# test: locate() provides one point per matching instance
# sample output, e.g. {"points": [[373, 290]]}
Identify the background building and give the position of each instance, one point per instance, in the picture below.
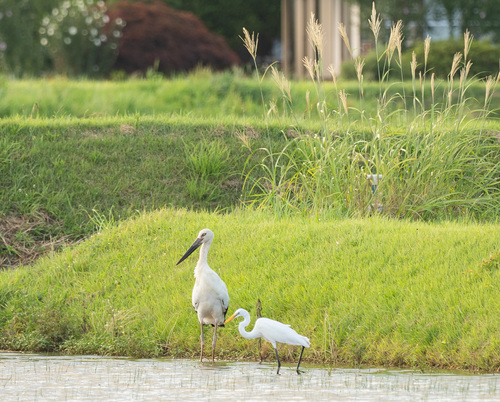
{"points": [[295, 15]]}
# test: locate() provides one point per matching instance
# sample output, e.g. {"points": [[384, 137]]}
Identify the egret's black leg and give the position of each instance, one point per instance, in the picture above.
{"points": [[300, 358], [202, 341], [214, 341], [277, 358]]}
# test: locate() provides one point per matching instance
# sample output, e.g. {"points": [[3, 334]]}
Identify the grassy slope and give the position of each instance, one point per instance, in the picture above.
{"points": [[369, 291], [198, 94], [422, 298], [79, 172], [99, 165]]}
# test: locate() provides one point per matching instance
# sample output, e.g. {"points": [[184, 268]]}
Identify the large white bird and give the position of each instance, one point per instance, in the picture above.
{"points": [[210, 297], [272, 331]]}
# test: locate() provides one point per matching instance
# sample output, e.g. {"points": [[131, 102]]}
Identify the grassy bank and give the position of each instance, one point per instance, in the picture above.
{"points": [[207, 94], [365, 291], [63, 178], [405, 275]]}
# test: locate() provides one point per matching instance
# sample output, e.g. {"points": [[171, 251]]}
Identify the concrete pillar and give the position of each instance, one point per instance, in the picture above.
{"points": [[310, 8], [286, 36], [299, 29], [329, 13], [355, 29]]}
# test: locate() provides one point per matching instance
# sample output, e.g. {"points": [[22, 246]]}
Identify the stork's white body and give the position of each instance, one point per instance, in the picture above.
{"points": [[210, 297]]}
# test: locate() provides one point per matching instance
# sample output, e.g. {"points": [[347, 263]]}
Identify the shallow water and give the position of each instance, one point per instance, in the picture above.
{"points": [[31, 377]]}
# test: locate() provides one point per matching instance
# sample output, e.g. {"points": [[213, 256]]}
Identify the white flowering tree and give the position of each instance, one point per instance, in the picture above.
{"points": [[20, 51], [80, 37]]}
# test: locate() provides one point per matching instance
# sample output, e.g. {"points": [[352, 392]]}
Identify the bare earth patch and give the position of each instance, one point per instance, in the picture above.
{"points": [[23, 239]]}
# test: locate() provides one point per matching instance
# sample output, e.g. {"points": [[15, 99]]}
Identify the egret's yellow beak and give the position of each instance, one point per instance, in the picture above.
{"points": [[230, 318]]}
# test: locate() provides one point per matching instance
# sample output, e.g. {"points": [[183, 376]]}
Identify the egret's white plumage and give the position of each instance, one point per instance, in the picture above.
{"points": [[210, 297], [272, 331]]}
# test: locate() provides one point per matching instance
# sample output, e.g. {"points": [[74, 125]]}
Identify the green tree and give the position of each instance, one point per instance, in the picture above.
{"points": [[228, 17], [412, 13], [480, 17], [20, 50]]}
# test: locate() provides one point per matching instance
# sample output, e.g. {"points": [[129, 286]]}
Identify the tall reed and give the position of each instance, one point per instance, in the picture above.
{"points": [[433, 163]]}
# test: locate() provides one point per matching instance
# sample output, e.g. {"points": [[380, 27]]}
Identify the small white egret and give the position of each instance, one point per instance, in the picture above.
{"points": [[210, 297], [272, 331]]}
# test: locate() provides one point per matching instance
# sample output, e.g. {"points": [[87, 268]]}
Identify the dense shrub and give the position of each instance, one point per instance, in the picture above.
{"points": [[169, 40]]}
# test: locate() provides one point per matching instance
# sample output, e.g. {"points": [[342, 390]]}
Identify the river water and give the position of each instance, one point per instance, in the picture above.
{"points": [[32, 377]]}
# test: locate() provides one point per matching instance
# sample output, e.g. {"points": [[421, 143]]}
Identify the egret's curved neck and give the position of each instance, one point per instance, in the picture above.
{"points": [[243, 324]]}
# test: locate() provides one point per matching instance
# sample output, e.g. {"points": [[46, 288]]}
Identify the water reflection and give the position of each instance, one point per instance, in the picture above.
{"points": [[29, 377]]}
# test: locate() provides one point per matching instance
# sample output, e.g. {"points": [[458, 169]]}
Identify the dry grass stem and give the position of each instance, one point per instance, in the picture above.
{"points": [[343, 34], [395, 38], [468, 37], [343, 98], [489, 85], [250, 42], [315, 34], [427, 48], [282, 83], [464, 72], [309, 65], [272, 109], [413, 64], [332, 72], [375, 22], [454, 65], [359, 63]]}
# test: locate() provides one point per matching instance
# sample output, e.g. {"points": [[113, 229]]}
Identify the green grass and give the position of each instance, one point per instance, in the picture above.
{"points": [[427, 175], [365, 291], [69, 170], [199, 94], [316, 246], [62, 174], [436, 160]]}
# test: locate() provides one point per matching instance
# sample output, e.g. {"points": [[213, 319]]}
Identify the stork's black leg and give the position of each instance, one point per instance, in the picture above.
{"points": [[300, 358], [277, 358]]}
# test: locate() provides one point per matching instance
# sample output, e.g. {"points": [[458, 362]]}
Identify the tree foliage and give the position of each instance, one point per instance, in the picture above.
{"points": [[480, 17], [228, 17], [20, 49]]}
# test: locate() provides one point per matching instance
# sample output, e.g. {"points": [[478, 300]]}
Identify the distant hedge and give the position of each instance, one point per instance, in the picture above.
{"points": [[484, 55]]}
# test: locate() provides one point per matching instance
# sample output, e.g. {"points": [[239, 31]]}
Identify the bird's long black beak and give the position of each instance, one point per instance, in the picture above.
{"points": [[194, 246]]}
